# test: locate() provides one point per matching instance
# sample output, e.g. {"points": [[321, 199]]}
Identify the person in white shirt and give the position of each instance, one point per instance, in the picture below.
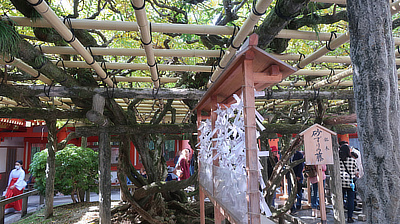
{"points": [[16, 185], [359, 163]]}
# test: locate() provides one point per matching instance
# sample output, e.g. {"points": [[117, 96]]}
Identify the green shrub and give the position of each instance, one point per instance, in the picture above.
{"points": [[76, 170]]}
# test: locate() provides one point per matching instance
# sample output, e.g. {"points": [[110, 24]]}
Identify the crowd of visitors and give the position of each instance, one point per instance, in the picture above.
{"points": [[350, 170]]}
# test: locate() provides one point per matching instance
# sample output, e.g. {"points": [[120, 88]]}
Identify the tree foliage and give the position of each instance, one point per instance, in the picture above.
{"points": [[76, 170]]}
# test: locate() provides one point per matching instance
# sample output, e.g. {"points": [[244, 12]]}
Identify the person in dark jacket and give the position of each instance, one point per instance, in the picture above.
{"points": [[271, 161], [298, 171]]}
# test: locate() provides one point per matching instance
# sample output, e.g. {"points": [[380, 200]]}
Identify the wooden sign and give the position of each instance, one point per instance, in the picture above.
{"points": [[318, 145]]}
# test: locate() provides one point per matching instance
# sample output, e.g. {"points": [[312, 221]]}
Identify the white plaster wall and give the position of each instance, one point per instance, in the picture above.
{"points": [[3, 157]]}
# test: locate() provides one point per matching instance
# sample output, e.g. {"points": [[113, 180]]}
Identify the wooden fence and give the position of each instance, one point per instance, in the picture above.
{"points": [[26, 194], [24, 198]]}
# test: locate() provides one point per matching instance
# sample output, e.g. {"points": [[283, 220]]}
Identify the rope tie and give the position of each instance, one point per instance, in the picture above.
{"points": [[103, 65], [234, 35], [302, 56], [156, 92], [328, 43], [316, 92], [47, 92], [332, 73], [68, 23], [221, 52], [37, 3], [138, 8], [89, 48], [254, 9], [151, 37], [11, 60], [38, 75]]}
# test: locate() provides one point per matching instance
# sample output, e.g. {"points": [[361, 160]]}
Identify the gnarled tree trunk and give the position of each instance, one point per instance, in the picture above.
{"points": [[377, 106], [50, 167]]}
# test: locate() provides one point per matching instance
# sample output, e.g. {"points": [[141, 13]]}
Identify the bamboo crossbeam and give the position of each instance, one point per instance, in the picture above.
{"points": [[180, 68], [55, 102], [333, 79], [133, 52], [146, 38], [170, 28], [336, 42], [341, 2], [47, 13], [8, 101], [248, 25], [141, 79], [130, 26], [181, 53], [24, 67], [322, 51], [303, 83], [307, 72]]}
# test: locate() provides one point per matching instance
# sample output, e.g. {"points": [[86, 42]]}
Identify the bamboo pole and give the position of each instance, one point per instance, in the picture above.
{"points": [[142, 79], [24, 67], [336, 42], [303, 83], [341, 2], [332, 79], [248, 25], [8, 101], [181, 53], [133, 52], [130, 26], [182, 68], [47, 13], [307, 72], [55, 102], [146, 38]]}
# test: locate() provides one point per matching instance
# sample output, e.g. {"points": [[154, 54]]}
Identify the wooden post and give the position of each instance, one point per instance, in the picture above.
{"points": [[96, 115], [253, 193], [321, 192], [24, 206], [2, 214], [83, 142], [336, 185], [308, 191], [202, 211], [217, 213], [105, 177], [87, 196], [201, 193], [41, 199]]}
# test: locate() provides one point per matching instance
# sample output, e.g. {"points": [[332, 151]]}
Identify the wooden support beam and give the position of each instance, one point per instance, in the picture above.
{"points": [[252, 193], [104, 177], [139, 128]]}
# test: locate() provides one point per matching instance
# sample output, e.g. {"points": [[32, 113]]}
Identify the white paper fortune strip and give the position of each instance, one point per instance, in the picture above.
{"points": [[230, 152]]}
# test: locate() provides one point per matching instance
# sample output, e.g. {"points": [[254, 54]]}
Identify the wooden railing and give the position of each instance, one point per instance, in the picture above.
{"points": [[24, 198]]}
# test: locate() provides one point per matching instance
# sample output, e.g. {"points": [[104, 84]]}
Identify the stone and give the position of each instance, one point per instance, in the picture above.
{"points": [[362, 217]]}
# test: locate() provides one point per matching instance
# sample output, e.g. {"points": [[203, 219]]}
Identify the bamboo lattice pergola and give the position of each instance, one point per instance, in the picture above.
{"points": [[156, 63]]}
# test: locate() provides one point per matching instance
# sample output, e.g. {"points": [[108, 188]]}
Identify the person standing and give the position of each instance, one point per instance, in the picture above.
{"points": [[348, 171], [314, 189], [16, 185], [184, 164], [298, 171], [271, 161]]}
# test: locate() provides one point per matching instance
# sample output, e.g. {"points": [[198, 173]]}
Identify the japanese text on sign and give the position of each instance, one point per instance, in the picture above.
{"points": [[318, 146]]}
